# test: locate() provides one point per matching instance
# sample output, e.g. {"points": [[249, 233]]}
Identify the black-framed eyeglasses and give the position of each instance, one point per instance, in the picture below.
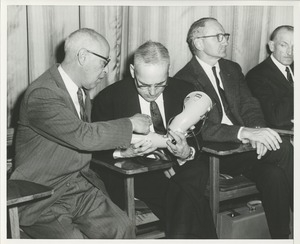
{"points": [[219, 36], [141, 85], [107, 60]]}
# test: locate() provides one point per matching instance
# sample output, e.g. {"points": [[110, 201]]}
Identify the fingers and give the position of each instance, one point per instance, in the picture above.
{"points": [[180, 148], [139, 143], [261, 150], [266, 136], [141, 123], [272, 138]]}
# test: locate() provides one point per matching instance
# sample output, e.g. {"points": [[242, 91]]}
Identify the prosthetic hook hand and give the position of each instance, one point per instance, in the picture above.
{"points": [[196, 105]]}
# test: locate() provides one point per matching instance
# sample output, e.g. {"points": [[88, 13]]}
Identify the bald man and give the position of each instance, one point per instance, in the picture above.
{"points": [[271, 81], [54, 142]]}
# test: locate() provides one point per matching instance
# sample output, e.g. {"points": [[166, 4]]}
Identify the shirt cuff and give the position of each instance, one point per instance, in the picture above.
{"points": [[190, 157], [117, 154], [239, 133]]}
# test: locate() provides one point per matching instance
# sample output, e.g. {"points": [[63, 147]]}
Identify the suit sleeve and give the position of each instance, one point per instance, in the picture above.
{"points": [[49, 115], [277, 105], [244, 106], [102, 110]]}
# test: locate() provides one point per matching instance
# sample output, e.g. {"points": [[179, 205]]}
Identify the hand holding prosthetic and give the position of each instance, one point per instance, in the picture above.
{"points": [[196, 105]]}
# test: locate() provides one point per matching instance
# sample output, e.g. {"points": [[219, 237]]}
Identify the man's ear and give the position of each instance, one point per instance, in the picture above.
{"points": [[131, 68], [81, 56], [198, 43], [271, 46]]}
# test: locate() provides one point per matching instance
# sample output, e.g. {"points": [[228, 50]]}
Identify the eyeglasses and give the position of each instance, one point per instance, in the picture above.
{"points": [[146, 86], [219, 36], [107, 60]]}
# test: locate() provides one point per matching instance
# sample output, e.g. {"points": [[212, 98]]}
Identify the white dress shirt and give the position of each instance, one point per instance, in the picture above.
{"points": [[72, 88], [281, 67], [145, 108], [208, 70]]}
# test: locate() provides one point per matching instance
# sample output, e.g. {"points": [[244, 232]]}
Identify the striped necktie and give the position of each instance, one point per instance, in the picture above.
{"points": [[83, 115], [289, 76], [223, 98], [157, 120]]}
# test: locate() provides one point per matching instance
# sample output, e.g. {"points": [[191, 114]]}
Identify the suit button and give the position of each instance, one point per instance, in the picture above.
{"points": [[68, 184]]}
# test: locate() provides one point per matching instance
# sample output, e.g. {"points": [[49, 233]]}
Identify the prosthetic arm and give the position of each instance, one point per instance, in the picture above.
{"points": [[195, 107]]}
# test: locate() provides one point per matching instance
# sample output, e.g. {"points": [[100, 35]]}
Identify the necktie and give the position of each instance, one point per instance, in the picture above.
{"points": [[159, 128], [83, 115], [223, 98], [289, 76], [157, 119]]}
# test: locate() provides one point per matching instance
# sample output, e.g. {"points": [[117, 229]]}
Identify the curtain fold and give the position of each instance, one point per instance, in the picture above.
{"points": [[47, 28], [36, 34], [17, 54], [107, 20]]}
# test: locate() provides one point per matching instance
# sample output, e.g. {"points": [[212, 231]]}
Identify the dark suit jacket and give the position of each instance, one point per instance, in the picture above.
{"points": [[243, 105], [121, 100], [274, 92], [53, 144]]}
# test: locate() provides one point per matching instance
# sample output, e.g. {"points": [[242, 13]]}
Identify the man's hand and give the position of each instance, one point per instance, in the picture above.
{"points": [[261, 149], [141, 123], [138, 149], [180, 149], [266, 136]]}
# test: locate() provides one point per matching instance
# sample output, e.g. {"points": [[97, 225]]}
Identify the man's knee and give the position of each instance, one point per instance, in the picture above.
{"points": [[275, 178], [123, 228]]}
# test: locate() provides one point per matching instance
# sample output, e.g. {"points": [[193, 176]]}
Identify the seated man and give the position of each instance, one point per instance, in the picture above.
{"points": [[54, 141], [271, 81], [179, 201], [237, 117]]}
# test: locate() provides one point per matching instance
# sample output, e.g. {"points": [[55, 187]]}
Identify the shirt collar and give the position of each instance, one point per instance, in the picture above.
{"points": [[72, 88], [279, 65], [70, 85], [208, 68], [145, 107]]}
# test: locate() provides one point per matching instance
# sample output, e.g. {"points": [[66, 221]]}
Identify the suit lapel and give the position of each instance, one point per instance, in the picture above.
{"points": [[170, 100], [60, 83], [279, 77], [229, 87], [130, 104], [203, 79]]}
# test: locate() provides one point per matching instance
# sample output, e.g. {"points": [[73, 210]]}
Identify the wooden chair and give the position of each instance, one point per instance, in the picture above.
{"points": [[129, 168], [237, 187], [243, 186], [18, 193]]}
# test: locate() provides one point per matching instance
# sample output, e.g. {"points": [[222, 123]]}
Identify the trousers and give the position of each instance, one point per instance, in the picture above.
{"points": [[180, 201], [273, 175], [82, 212]]}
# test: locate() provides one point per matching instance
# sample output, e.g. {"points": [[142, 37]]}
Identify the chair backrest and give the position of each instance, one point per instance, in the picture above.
{"points": [[10, 149]]}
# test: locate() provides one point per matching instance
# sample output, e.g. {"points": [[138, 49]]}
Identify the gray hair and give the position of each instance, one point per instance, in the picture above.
{"points": [[194, 31], [151, 53], [82, 38], [274, 33]]}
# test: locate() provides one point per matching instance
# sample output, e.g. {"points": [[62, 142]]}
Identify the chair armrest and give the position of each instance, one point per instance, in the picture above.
{"points": [[131, 166], [225, 148], [284, 132], [19, 191]]}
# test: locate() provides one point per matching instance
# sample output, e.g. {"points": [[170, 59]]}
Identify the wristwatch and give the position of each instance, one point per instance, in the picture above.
{"points": [[190, 157]]}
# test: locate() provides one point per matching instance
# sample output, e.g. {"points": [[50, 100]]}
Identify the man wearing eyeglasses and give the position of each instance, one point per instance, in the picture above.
{"points": [[237, 117], [179, 201], [54, 141]]}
